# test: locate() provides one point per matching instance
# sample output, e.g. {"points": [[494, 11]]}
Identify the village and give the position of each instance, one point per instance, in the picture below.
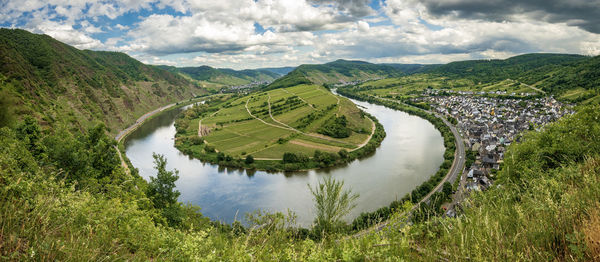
{"points": [[488, 125]]}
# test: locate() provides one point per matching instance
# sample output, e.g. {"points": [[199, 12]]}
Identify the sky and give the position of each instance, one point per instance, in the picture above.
{"points": [[244, 34]]}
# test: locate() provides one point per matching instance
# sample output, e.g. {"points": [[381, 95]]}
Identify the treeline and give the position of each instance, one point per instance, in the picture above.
{"points": [[366, 220]]}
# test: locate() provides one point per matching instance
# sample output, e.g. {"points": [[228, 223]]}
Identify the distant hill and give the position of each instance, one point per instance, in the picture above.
{"points": [[584, 73], [280, 70], [496, 70], [410, 69], [346, 71], [61, 84], [574, 78], [339, 71], [225, 76]]}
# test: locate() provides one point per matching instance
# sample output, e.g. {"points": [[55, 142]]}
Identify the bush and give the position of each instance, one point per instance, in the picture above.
{"points": [[335, 127], [289, 157], [249, 160]]}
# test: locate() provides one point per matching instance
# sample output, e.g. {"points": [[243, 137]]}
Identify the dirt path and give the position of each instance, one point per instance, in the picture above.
{"points": [[123, 163], [309, 104], [263, 121], [322, 147], [530, 86], [277, 121], [369, 138]]}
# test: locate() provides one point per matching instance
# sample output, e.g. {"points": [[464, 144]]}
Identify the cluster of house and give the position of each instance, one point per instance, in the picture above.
{"points": [[250, 85], [355, 82], [488, 125], [482, 93]]}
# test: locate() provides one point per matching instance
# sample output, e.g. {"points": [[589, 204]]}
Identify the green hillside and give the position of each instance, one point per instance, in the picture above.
{"points": [[59, 84], [572, 78], [576, 82], [497, 70], [225, 76], [345, 71]]}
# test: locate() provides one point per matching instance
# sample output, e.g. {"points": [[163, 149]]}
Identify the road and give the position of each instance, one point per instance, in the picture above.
{"points": [[455, 171], [133, 127], [140, 121]]}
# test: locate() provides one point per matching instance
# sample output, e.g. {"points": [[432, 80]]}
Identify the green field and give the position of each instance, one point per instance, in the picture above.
{"points": [[268, 124]]}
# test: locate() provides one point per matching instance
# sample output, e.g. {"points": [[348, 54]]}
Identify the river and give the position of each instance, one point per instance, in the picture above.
{"points": [[411, 152]]}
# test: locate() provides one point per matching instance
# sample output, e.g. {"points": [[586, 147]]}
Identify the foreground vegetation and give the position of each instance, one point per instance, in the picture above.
{"points": [[300, 127], [56, 206]]}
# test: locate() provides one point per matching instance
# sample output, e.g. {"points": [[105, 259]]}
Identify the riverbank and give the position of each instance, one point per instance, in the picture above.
{"points": [[125, 132], [125, 163], [454, 157]]}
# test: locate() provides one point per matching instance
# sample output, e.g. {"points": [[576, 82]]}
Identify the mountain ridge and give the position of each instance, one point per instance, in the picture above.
{"points": [[63, 85]]}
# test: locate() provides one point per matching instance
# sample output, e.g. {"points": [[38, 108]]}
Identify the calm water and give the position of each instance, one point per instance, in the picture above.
{"points": [[411, 152]]}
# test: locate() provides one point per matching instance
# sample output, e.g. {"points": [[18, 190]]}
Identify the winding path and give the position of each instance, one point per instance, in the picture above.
{"points": [[287, 127]]}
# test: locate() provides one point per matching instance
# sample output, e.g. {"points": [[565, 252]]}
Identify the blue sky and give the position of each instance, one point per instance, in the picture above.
{"points": [[269, 33]]}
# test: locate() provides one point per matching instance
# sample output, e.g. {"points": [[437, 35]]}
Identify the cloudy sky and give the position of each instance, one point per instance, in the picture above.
{"points": [[270, 33]]}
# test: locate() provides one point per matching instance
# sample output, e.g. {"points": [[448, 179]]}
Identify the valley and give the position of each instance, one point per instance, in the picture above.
{"points": [[491, 159]]}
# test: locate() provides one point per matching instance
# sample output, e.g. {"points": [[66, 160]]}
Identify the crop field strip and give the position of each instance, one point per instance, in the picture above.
{"points": [[233, 132]]}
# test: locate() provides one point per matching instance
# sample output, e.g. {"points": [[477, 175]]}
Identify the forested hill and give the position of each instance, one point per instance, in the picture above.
{"points": [[58, 83], [496, 70], [338, 71], [582, 75], [346, 71], [575, 78], [225, 76]]}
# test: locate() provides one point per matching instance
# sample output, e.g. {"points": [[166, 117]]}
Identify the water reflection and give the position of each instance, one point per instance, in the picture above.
{"points": [[409, 155]]}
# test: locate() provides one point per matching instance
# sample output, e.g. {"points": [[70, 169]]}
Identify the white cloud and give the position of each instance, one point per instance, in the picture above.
{"points": [[224, 33], [363, 26], [66, 33]]}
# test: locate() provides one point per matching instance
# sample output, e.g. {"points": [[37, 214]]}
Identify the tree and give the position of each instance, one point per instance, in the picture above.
{"points": [[249, 159], [332, 204], [447, 188], [161, 188], [30, 133]]}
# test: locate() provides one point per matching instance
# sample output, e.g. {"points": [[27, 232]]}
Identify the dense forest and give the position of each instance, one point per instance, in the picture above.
{"points": [[336, 72]]}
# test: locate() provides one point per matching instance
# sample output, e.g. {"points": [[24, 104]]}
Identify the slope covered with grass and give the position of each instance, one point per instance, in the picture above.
{"points": [[60, 84], [225, 76]]}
